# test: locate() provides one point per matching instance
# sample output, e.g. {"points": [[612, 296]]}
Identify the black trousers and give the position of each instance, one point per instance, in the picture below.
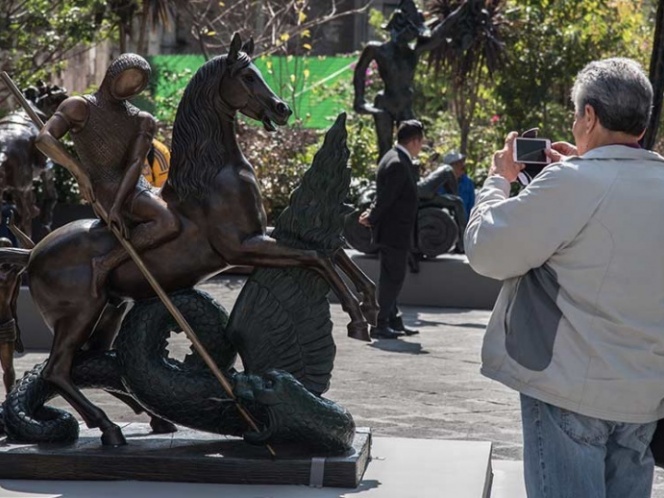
{"points": [[393, 263]]}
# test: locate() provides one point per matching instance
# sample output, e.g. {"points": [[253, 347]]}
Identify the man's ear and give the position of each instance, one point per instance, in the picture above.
{"points": [[590, 119]]}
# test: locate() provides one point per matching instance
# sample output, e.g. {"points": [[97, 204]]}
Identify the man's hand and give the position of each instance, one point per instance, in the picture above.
{"points": [[364, 218], [503, 163], [560, 151], [85, 187], [116, 221]]}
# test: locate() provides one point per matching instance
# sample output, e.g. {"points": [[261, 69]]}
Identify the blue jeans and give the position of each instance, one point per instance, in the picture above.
{"points": [[568, 455]]}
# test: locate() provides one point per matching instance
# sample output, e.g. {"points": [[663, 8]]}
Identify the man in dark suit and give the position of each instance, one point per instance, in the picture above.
{"points": [[392, 220]]}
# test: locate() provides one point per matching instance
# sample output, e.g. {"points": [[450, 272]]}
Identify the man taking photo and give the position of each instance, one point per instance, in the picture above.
{"points": [[578, 327]]}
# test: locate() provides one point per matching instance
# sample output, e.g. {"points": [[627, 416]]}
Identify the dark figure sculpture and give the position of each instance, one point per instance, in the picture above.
{"points": [[10, 334], [21, 162], [213, 192], [112, 139], [437, 221], [281, 320], [396, 62]]}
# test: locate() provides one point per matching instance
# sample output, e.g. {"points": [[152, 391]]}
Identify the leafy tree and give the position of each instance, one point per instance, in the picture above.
{"points": [[551, 41], [122, 14], [37, 36], [470, 58], [656, 77]]}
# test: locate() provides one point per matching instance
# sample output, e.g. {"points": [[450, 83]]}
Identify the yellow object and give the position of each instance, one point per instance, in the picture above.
{"points": [[157, 172]]}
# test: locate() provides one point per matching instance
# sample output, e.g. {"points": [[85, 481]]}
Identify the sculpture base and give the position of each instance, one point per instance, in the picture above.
{"points": [[184, 456]]}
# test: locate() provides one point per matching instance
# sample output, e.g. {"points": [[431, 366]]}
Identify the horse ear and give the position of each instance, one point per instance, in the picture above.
{"points": [[236, 45], [248, 47]]}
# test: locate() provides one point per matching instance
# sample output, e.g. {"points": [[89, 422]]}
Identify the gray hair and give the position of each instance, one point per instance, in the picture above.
{"points": [[619, 92]]}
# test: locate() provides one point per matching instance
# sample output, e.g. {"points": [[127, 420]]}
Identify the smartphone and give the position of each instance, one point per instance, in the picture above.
{"points": [[532, 150]]}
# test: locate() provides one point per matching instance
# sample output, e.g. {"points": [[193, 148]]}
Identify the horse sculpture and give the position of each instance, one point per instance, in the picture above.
{"points": [[213, 190], [21, 162]]}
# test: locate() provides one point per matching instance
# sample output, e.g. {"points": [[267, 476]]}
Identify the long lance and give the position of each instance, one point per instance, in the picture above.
{"points": [[184, 325]]}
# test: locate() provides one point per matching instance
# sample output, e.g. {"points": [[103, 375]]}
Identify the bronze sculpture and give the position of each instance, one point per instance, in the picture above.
{"points": [[21, 162], [280, 326], [213, 192], [397, 62]]}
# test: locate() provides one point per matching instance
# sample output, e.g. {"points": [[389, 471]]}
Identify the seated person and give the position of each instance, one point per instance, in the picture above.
{"points": [[458, 182], [445, 183]]}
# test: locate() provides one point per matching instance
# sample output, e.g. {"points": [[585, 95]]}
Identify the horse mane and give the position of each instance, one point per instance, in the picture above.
{"points": [[197, 145]]}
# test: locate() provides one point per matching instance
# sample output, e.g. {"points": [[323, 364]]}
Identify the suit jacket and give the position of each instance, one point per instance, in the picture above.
{"points": [[394, 212]]}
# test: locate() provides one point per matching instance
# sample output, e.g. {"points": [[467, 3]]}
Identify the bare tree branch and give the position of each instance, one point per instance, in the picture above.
{"points": [[213, 22]]}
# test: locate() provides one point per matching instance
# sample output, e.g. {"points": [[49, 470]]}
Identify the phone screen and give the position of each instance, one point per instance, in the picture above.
{"points": [[531, 151]]}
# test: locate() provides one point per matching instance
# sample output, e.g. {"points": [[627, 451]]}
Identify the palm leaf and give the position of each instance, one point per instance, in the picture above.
{"points": [[477, 38]]}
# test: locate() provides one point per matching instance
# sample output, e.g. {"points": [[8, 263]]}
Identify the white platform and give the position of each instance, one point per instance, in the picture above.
{"points": [[508, 479], [401, 468]]}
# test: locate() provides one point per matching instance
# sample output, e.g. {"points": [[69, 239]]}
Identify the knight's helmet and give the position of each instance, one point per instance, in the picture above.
{"points": [[123, 63], [407, 17]]}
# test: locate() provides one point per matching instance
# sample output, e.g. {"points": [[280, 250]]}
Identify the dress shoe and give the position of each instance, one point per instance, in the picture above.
{"points": [[400, 327], [383, 333], [408, 331]]}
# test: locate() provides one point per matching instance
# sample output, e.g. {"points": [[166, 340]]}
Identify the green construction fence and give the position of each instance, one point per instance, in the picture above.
{"points": [[310, 85]]}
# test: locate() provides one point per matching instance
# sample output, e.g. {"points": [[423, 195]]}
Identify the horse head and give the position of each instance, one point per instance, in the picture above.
{"points": [[245, 89]]}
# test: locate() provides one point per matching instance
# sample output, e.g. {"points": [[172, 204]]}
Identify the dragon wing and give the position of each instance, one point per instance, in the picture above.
{"points": [[281, 319]]}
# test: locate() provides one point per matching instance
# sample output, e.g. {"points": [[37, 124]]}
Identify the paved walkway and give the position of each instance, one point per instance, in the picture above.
{"points": [[424, 386]]}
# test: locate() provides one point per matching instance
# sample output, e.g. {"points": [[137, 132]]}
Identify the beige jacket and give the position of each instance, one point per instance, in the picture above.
{"points": [[579, 322]]}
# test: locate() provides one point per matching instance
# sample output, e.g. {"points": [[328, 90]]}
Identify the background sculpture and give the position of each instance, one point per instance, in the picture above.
{"points": [[397, 62], [438, 229], [21, 162]]}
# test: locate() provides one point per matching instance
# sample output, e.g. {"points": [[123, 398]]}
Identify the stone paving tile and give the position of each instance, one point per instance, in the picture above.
{"points": [[424, 386]]}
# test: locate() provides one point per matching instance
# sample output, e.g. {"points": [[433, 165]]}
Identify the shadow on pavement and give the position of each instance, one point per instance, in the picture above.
{"points": [[398, 346]]}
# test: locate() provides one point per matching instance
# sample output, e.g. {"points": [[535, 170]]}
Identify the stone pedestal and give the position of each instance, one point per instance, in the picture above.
{"points": [[184, 456]]}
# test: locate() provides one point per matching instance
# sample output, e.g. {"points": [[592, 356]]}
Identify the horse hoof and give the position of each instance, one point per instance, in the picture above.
{"points": [[359, 330], [161, 426], [370, 313], [113, 437]]}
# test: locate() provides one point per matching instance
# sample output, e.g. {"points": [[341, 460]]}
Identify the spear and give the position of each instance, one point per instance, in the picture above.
{"points": [[184, 325]]}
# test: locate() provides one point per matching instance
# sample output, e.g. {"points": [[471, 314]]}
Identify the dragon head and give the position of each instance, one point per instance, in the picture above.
{"points": [[295, 415]]}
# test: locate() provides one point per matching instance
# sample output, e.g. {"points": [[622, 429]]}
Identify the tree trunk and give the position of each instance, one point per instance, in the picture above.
{"points": [[656, 78], [123, 38], [142, 49]]}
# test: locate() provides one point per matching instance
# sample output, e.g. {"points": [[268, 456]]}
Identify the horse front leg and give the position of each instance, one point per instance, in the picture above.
{"points": [[69, 333], [260, 250], [362, 283]]}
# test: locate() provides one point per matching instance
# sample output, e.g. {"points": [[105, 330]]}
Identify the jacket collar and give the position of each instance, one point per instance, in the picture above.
{"points": [[621, 152], [403, 150]]}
